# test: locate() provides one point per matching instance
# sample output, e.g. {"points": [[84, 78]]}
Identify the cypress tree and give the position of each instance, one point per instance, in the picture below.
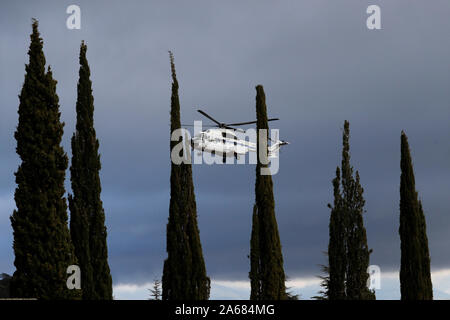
{"points": [[266, 270], [255, 259], [324, 283], [348, 253], [337, 257], [184, 272], [415, 277], [358, 250], [87, 223], [5, 281], [42, 245]]}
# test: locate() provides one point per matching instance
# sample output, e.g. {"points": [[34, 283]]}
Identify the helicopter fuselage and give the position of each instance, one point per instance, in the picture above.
{"points": [[224, 142]]}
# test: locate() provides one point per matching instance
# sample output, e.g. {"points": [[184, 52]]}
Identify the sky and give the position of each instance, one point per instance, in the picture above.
{"points": [[319, 65]]}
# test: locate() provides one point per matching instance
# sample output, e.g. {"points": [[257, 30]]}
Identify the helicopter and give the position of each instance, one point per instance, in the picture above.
{"points": [[222, 140]]}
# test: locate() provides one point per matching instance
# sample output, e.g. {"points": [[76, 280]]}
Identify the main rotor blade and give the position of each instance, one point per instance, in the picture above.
{"points": [[235, 129], [240, 123], [249, 122], [209, 117], [203, 125]]}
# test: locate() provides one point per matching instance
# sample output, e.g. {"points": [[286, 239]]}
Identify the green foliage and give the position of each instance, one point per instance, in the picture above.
{"points": [[337, 251], [290, 294], [87, 223], [184, 274], [255, 260], [266, 259], [348, 253], [42, 245], [5, 282], [155, 292], [324, 283], [415, 277]]}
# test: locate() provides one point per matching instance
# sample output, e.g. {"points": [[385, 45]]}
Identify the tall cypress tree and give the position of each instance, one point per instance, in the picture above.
{"points": [[358, 250], [415, 277], [255, 259], [266, 269], [42, 245], [348, 253], [184, 273], [337, 257], [87, 223]]}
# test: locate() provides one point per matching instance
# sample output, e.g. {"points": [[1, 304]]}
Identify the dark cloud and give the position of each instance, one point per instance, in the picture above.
{"points": [[319, 66]]}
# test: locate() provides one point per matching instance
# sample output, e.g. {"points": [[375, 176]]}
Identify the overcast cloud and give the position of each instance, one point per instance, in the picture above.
{"points": [[319, 65]]}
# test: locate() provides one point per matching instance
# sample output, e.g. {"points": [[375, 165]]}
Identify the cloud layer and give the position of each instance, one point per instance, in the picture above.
{"points": [[319, 66]]}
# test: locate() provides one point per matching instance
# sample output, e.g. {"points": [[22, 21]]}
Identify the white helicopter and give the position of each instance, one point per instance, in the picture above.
{"points": [[223, 140]]}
